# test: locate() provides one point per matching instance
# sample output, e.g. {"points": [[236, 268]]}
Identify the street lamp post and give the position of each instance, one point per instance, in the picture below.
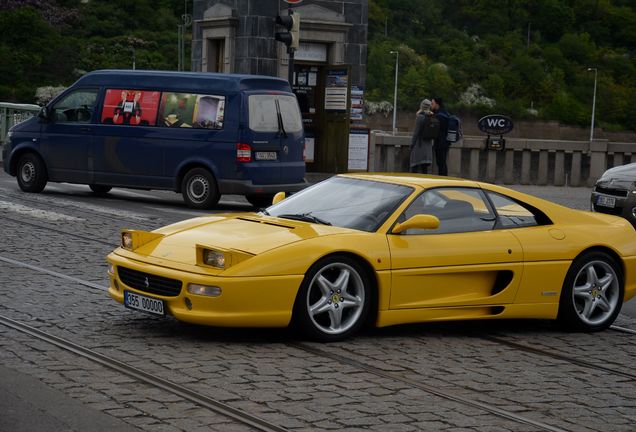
{"points": [[397, 56], [593, 103]]}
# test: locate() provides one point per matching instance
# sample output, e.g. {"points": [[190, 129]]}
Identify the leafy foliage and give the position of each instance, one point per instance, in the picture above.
{"points": [[53, 42], [529, 57]]}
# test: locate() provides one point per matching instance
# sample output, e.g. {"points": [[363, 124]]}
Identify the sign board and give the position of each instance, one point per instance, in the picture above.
{"points": [[308, 51], [495, 124], [358, 150], [336, 90]]}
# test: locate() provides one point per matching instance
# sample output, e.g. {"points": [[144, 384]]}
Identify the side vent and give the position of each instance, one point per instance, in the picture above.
{"points": [[504, 278], [496, 310]]}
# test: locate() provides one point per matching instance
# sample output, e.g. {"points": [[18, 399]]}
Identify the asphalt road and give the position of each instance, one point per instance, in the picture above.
{"points": [[441, 377]]}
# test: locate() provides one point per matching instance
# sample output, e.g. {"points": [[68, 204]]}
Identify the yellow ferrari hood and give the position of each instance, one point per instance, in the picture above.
{"points": [[248, 233]]}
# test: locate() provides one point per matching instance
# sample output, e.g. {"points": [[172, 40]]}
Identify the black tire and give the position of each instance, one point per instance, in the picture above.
{"points": [[100, 189], [592, 293], [31, 173], [338, 290], [199, 189], [260, 201]]}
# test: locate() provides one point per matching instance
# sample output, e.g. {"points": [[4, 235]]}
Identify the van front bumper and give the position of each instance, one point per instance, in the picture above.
{"points": [[246, 187]]}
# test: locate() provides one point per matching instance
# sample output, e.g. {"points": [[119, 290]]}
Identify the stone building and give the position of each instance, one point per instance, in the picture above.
{"points": [[237, 36]]}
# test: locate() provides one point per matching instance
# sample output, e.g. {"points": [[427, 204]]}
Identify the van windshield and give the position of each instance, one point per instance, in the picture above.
{"points": [[264, 111]]}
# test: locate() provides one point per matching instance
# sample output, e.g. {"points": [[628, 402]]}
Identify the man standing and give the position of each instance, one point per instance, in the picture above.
{"points": [[441, 144]]}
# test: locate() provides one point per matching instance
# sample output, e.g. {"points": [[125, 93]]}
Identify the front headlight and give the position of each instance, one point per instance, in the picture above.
{"points": [[214, 258], [127, 240]]}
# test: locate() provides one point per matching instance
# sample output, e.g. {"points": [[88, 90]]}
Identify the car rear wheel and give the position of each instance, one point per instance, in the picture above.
{"points": [[260, 201], [334, 299], [31, 173], [199, 189], [100, 189], [592, 293]]}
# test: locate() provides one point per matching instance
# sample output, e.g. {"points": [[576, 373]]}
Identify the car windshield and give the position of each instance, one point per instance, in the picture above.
{"points": [[344, 202]]}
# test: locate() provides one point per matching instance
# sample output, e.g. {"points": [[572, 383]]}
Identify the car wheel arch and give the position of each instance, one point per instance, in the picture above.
{"points": [[17, 155], [187, 166], [607, 250], [368, 269]]}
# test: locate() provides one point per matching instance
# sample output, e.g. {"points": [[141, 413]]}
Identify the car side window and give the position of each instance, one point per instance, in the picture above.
{"points": [[75, 107], [510, 213], [458, 210]]}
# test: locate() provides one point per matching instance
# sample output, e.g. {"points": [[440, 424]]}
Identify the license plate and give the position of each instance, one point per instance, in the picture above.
{"points": [[606, 201], [265, 155], [143, 303]]}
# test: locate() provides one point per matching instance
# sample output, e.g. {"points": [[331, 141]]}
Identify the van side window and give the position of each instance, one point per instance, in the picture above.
{"points": [[265, 109], [130, 107], [189, 110], [75, 107]]}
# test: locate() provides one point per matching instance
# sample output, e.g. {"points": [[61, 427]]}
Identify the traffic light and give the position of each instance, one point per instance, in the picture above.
{"points": [[291, 36]]}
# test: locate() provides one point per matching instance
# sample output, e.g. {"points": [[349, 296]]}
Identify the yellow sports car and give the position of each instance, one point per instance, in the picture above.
{"points": [[382, 249]]}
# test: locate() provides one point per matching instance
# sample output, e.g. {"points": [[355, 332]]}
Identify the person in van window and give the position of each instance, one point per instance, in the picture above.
{"points": [[441, 145], [422, 141]]}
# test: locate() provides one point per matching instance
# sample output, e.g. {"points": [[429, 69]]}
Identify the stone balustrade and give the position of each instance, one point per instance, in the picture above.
{"points": [[523, 161]]}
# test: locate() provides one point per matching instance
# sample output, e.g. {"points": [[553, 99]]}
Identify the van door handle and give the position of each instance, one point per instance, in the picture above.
{"points": [[85, 129]]}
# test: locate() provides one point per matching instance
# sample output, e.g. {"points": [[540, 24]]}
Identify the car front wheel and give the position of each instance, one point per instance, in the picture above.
{"points": [[199, 189], [334, 299], [31, 173], [592, 293], [100, 189]]}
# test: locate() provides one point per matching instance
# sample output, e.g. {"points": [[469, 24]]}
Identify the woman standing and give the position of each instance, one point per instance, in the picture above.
{"points": [[426, 129]]}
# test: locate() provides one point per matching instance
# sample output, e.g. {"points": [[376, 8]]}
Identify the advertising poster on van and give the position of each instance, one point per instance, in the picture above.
{"points": [[130, 107], [192, 110]]}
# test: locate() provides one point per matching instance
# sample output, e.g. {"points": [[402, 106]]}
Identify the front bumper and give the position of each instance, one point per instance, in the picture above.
{"points": [[624, 202], [244, 302]]}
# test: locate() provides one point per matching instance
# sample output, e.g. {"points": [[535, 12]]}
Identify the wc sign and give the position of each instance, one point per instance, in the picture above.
{"points": [[495, 124]]}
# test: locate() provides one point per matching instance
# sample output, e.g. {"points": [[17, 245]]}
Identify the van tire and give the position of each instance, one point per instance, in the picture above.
{"points": [[199, 189], [31, 173], [100, 189]]}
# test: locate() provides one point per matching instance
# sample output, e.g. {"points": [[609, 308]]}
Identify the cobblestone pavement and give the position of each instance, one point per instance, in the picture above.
{"points": [[268, 373]]}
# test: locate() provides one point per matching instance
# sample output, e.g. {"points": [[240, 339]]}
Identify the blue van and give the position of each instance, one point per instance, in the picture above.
{"points": [[200, 134]]}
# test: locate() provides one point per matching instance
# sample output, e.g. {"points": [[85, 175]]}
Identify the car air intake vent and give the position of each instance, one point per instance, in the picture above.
{"points": [[611, 191], [149, 283]]}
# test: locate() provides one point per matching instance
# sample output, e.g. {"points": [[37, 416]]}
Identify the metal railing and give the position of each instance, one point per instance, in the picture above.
{"points": [[11, 114]]}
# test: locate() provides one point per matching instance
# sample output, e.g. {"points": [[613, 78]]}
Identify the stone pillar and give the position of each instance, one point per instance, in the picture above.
{"points": [[559, 168], [598, 162], [526, 158], [575, 175], [491, 166], [542, 178], [474, 164], [509, 167]]}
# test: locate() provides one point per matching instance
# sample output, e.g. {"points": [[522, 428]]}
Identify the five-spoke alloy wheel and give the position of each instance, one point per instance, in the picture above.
{"points": [[334, 299], [592, 293]]}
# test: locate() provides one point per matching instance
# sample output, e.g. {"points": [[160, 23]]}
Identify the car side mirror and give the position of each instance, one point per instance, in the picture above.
{"points": [[278, 197], [420, 221], [44, 114]]}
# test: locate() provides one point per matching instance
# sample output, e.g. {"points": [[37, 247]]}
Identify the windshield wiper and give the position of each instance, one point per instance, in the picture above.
{"points": [[281, 126], [306, 217]]}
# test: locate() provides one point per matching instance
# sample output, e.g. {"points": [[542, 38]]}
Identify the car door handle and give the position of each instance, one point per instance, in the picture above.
{"points": [[85, 129]]}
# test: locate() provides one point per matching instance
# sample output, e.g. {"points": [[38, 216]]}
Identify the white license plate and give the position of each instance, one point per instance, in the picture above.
{"points": [[606, 201], [263, 155], [143, 303]]}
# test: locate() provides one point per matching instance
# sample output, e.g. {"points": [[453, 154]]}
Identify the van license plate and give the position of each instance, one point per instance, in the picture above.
{"points": [[263, 155], [606, 201], [143, 303]]}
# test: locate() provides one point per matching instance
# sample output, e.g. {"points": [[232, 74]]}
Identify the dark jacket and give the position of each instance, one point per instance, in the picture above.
{"points": [[442, 116]]}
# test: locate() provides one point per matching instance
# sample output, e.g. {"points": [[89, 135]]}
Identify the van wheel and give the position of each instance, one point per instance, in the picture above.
{"points": [[100, 189], [260, 201], [199, 189], [31, 173]]}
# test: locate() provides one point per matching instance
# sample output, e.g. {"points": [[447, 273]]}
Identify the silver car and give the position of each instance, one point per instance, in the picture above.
{"points": [[615, 192]]}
